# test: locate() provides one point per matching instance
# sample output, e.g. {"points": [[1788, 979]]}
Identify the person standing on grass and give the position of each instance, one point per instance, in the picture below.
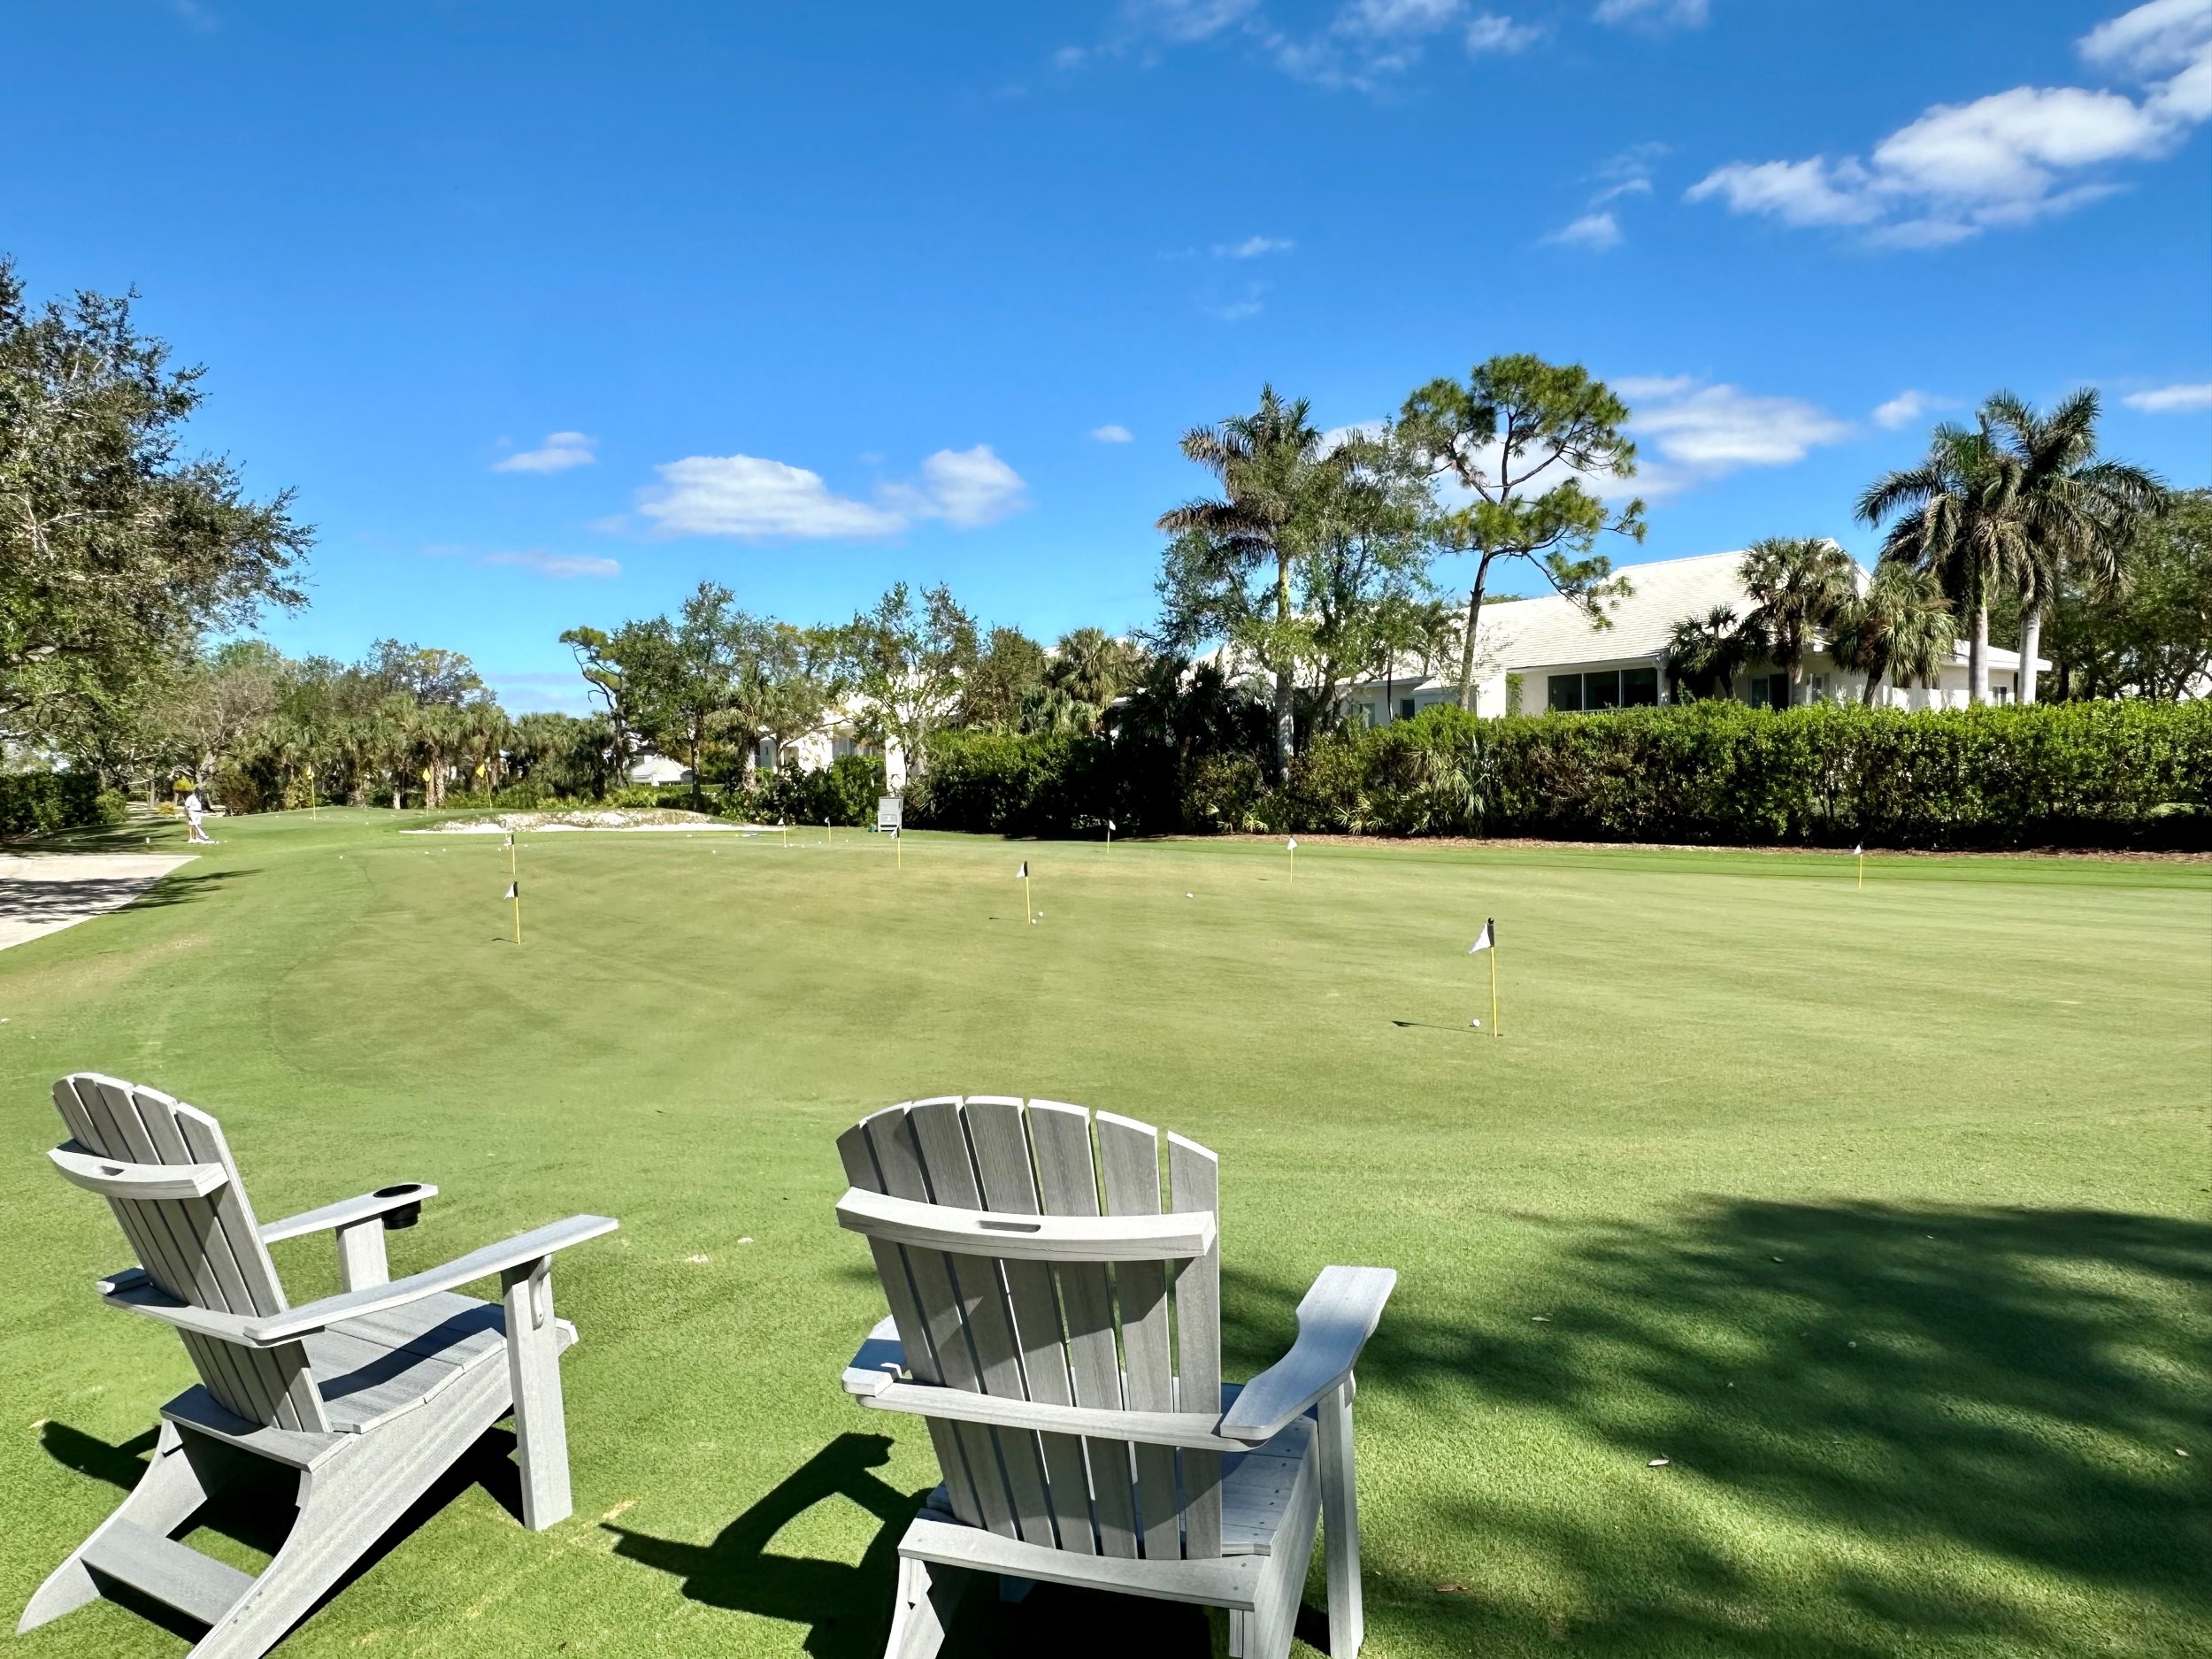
{"points": [[195, 812]]}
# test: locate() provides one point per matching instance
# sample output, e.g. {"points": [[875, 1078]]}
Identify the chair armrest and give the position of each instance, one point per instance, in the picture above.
{"points": [[881, 1361], [392, 1203], [1334, 1321], [133, 1290], [353, 1305]]}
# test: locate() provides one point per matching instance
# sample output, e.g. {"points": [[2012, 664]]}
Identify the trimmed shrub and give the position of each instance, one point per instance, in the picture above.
{"points": [[40, 802], [2124, 773]]}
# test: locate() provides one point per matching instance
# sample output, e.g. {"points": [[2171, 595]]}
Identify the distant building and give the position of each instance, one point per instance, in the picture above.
{"points": [[1535, 655]]}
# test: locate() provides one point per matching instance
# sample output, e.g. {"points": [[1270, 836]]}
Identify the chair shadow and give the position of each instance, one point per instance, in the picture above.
{"points": [[847, 1607]]}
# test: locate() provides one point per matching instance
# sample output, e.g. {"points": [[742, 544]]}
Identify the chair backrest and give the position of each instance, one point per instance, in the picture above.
{"points": [[1128, 1336], [195, 1237]]}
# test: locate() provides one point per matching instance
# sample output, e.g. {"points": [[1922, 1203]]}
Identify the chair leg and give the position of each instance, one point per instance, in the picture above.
{"points": [[180, 1477], [534, 1370], [348, 1503], [1340, 1523], [927, 1596]]}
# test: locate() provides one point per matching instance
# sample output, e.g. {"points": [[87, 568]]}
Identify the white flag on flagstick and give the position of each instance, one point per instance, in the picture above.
{"points": [[1859, 851], [514, 890], [1293, 845], [1487, 939], [1022, 874]]}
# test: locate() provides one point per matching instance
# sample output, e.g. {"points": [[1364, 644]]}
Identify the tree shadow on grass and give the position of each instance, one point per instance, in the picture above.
{"points": [[1920, 1422]]}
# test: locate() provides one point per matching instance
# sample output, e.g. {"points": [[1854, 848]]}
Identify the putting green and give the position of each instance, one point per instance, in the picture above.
{"points": [[1878, 1213]]}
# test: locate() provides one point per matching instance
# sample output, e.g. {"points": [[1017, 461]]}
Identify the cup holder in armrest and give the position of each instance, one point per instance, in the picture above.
{"points": [[405, 1215]]}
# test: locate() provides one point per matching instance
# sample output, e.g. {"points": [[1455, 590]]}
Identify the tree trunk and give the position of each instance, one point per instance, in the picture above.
{"points": [[698, 802], [2031, 641], [1467, 644], [1977, 658], [1285, 723]]}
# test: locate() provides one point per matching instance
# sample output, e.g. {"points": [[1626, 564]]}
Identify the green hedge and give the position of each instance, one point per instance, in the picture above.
{"points": [[2131, 773], [40, 802]]}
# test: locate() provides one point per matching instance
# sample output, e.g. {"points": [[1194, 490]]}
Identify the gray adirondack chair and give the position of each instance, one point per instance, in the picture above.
{"points": [[370, 1394], [1011, 1250]]}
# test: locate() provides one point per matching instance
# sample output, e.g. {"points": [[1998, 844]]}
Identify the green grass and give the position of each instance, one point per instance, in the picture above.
{"points": [[1880, 1214]]}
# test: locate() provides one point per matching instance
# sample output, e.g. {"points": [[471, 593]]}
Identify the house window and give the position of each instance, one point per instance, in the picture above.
{"points": [[1405, 707], [1820, 689], [1565, 694], [1601, 691], [1640, 687], [2003, 693], [1768, 691]]}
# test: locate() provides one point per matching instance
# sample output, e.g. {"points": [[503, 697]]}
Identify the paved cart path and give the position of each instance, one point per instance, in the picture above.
{"points": [[45, 893]]}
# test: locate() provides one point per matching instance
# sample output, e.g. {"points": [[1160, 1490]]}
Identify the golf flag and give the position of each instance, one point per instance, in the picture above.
{"points": [[1024, 873], [1291, 849], [514, 894], [1109, 830], [514, 890], [1858, 854], [1487, 939]]}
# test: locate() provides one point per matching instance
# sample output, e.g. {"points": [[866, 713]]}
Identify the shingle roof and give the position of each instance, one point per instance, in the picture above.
{"points": [[1536, 633]]}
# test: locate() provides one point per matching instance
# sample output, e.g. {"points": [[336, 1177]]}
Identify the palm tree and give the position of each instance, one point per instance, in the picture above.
{"points": [[2079, 510], [1707, 651], [1796, 585], [1965, 523], [1092, 666], [1900, 629], [1265, 461]]}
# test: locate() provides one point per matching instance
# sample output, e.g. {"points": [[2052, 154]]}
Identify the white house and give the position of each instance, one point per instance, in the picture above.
{"points": [[1534, 655]]}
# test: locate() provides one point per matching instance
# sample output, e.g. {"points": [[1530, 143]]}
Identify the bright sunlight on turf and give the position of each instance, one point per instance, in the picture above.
{"points": [[1877, 1214]]}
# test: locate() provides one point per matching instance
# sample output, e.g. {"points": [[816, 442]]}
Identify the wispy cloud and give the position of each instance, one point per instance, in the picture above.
{"points": [[560, 451], [754, 499], [1494, 32], [1625, 174], [1679, 14], [2011, 158], [1907, 407], [529, 693], [1112, 434], [1595, 231], [2173, 400], [1696, 432], [1252, 247], [560, 566]]}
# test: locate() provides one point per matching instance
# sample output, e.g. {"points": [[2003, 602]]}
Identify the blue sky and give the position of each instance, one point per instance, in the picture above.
{"points": [[550, 310]]}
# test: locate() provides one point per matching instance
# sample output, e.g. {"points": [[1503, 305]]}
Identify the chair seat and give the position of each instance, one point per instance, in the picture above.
{"points": [[373, 1368]]}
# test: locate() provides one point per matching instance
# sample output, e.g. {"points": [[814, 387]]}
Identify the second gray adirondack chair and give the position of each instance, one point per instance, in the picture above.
{"points": [[1011, 1249], [369, 1395]]}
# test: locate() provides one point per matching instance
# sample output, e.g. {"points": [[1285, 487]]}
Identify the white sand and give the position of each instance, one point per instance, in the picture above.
{"points": [[44, 892]]}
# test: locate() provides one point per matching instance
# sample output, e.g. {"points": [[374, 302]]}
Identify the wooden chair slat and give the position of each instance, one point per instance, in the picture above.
{"points": [[1129, 1162], [898, 1158], [1067, 1185], [979, 1285], [1194, 1184], [1000, 1140]]}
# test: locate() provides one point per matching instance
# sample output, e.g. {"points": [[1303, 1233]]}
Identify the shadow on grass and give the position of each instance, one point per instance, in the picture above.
{"points": [[847, 1607], [1919, 1422]]}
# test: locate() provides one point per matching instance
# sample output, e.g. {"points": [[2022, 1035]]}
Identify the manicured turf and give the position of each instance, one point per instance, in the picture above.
{"points": [[1880, 1214]]}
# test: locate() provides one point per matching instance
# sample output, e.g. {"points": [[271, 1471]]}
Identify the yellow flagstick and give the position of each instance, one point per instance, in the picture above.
{"points": [[1293, 850], [1859, 853], [514, 892], [1488, 940], [898, 850], [1494, 990]]}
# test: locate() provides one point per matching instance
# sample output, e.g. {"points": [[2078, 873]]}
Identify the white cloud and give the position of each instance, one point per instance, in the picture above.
{"points": [[1113, 433], [1398, 17], [1905, 407], [1181, 22], [560, 566], [2009, 158], [1252, 247], [1687, 14], [754, 499], [2173, 400], [1694, 433], [560, 451], [1494, 32], [1069, 57], [1595, 231]]}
